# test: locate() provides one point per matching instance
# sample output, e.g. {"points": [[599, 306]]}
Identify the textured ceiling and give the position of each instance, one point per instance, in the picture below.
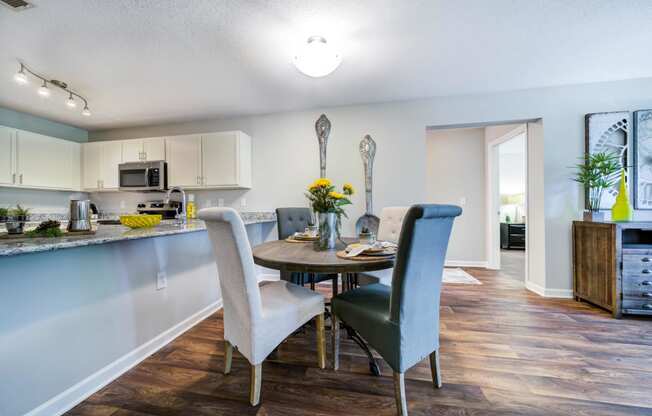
{"points": [[148, 61]]}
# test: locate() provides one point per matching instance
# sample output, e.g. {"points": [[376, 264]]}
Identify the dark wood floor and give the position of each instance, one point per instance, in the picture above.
{"points": [[504, 351]]}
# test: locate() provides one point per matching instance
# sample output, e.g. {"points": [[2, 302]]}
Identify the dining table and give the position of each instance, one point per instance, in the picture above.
{"points": [[305, 257]]}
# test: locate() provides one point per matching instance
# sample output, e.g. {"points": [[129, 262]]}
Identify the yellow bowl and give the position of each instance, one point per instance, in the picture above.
{"points": [[140, 221]]}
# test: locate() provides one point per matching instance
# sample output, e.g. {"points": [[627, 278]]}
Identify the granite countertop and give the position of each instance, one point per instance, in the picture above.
{"points": [[112, 233]]}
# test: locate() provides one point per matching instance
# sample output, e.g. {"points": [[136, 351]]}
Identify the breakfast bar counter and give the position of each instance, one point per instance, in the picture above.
{"points": [[113, 233]]}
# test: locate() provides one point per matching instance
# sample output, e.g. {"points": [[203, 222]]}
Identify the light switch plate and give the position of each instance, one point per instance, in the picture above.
{"points": [[220, 202], [161, 280], [243, 203]]}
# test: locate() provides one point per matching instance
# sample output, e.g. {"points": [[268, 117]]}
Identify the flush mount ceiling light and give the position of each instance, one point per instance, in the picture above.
{"points": [[21, 77], [317, 58]]}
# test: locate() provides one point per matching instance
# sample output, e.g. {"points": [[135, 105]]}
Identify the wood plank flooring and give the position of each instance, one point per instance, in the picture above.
{"points": [[504, 351]]}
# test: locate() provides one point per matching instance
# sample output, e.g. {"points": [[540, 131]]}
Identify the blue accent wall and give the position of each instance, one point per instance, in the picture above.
{"points": [[24, 121]]}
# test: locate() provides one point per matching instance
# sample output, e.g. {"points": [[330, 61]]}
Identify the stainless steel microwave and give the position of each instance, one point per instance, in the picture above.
{"points": [[143, 176]]}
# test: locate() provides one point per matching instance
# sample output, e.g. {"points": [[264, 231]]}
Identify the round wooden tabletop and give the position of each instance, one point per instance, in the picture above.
{"points": [[295, 257]]}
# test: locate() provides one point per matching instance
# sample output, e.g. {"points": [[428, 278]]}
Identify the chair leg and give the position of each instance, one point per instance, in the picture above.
{"points": [[435, 369], [312, 277], [255, 383], [321, 342], [335, 334], [399, 394], [335, 280], [228, 356]]}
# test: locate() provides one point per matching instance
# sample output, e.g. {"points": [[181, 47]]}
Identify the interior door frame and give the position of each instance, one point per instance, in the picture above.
{"points": [[492, 175]]}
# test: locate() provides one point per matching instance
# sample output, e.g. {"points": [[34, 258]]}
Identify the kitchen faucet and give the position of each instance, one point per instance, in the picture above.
{"points": [[181, 216]]}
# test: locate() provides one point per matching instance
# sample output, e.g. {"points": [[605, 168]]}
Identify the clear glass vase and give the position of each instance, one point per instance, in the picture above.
{"points": [[329, 231]]}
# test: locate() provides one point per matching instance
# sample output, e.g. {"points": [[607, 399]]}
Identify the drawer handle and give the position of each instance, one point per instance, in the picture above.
{"points": [[645, 271], [646, 294], [646, 283], [645, 259]]}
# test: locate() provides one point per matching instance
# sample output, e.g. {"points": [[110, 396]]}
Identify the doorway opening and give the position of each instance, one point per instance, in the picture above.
{"points": [[506, 150]]}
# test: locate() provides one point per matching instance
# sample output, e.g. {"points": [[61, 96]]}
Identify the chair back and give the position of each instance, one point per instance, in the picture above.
{"points": [[417, 278], [291, 220], [391, 221], [235, 265]]}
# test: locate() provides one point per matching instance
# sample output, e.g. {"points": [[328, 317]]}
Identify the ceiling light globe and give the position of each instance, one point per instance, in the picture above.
{"points": [[317, 58], [21, 77], [43, 90], [86, 112]]}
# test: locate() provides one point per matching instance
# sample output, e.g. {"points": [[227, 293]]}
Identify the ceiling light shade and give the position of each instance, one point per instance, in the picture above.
{"points": [[70, 102], [21, 77], [86, 112], [317, 58], [43, 90]]}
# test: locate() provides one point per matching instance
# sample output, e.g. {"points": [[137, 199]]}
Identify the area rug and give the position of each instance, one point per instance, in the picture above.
{"points": [[459, 276]]}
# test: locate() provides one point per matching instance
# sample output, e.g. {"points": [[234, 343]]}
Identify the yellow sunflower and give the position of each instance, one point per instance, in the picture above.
{"points": [[348, 189], [336, 195]]}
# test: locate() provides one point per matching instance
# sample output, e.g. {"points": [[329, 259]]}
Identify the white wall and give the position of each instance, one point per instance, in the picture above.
{"points": [[455, 171], [286, 159]]}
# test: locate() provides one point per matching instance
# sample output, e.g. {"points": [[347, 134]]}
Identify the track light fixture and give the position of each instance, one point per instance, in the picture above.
{"points": [[21, 77]]}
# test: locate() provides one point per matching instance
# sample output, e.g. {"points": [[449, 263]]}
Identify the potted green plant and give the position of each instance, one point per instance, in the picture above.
{"points": [[16, 219], [598, 173]]}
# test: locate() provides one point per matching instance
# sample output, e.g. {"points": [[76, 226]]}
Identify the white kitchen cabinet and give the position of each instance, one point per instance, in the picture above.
{"points": [[184, 160], [226, 160], [7, 162], [100, 161], [138, 150], [46, 162]]}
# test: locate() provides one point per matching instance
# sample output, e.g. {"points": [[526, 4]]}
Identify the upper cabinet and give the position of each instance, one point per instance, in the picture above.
{"points": [[210, 161], [226, 160], [100, 161], [31, 160], [7, 161], [139, 150], [184, 160]]}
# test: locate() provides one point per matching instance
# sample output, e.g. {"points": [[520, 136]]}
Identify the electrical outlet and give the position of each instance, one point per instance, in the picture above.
{"points": [[243, 203], [161, 280], [463, 201], [123, 205], [220, 202]]}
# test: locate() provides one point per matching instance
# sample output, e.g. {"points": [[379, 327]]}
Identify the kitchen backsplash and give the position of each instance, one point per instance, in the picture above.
{"points": [[39, 201]]}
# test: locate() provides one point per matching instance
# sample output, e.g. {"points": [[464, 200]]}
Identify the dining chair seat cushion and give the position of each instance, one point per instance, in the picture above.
{"points": [[366, 309], [285, 308]]}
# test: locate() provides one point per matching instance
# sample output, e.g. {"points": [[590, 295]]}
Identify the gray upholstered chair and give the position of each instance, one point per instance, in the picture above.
{"points": [[401, 322], [257, 317], [289, 221]]}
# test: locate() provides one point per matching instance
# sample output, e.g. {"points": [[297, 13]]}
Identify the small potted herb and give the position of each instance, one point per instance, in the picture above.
{"points": [[47, 229], [4, 212], [16, 220]]}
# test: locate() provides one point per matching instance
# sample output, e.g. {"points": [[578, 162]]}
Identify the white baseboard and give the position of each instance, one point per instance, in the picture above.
{"points": [[548, 292], [458, 263], [71, 397]]}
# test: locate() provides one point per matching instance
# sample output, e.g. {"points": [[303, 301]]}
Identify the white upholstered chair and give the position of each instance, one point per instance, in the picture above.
{"points": [[257, 318], [391, 221]]}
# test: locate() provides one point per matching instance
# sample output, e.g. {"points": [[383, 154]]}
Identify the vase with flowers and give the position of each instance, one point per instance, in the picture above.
{"points": [[329, 204]]}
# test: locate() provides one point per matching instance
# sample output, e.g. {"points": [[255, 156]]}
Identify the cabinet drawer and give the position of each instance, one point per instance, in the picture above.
{"points": [[637, 303]]}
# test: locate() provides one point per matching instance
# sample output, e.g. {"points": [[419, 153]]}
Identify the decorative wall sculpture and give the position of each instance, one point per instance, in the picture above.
{"points": [[608, 132], [323, 130], [642, 149]]}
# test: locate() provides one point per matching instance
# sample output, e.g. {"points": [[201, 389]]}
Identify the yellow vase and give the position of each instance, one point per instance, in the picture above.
{"points": [[622, 209]]}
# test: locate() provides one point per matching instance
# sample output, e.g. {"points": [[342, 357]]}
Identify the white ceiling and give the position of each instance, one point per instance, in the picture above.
{"points": [[149, 61]]}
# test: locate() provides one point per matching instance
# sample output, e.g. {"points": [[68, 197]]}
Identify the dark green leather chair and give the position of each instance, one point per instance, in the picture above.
{"points": [[401, 322], [289, 221]]}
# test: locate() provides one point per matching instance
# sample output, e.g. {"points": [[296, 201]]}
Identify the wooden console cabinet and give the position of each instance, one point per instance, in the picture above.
{"points": [[612, 266]]}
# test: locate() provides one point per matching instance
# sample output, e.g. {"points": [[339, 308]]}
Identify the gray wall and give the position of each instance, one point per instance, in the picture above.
{"points": [[449, 181], [24, 121], [286, 160]]}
